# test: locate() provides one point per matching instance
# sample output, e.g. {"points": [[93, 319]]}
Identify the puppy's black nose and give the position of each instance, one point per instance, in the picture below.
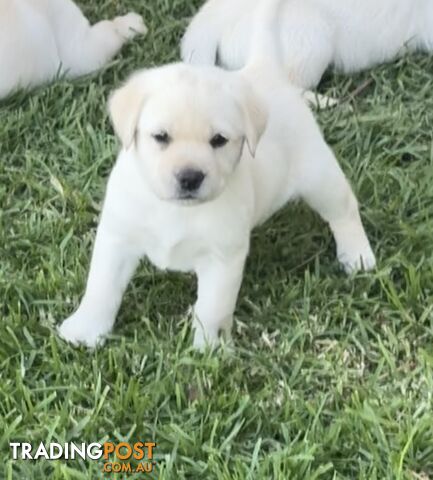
{"points": [[190, 180]]}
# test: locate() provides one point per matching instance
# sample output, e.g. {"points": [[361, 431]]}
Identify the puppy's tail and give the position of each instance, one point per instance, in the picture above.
{"points": [[265, 58]]}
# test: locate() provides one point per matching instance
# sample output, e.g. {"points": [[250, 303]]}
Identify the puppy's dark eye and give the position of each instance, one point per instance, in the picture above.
{"points": [[218, 141], [163, 138]]}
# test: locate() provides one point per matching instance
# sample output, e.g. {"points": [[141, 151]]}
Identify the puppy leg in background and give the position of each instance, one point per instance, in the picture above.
{"points": [[426, 29], [100, 43], [326, 190], [218, 287], [307, 43], [112, 266], [199, 44], [84, 48]]}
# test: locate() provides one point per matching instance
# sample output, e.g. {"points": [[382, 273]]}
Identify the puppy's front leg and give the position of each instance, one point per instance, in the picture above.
{"points": [[219, 282], [113, 263]]}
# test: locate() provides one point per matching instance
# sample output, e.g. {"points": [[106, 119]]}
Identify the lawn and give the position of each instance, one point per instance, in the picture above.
{"points": [[331, 377]]}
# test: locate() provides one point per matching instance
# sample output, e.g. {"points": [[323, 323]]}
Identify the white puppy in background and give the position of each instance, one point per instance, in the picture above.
{"points": [[312, 34], [206, 156], [40, 38]]}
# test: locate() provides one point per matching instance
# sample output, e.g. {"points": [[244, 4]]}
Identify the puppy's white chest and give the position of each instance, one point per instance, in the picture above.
{"points": [[172, 251], [177, 240]]}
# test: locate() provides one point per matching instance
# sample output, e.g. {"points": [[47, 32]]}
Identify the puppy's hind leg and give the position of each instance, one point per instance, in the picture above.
{"points": [[326, 190]]}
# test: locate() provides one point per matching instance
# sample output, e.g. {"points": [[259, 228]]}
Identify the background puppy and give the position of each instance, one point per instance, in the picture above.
{"points": [[205, 158], [40, 38], [313, 34]]}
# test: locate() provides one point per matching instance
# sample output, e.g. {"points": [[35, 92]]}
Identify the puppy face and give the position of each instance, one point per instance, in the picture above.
{"points": [[188, 126]]}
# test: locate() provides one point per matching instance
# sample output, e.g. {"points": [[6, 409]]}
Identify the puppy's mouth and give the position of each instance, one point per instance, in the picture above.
{"points": [[187, 196], [189, 199]]}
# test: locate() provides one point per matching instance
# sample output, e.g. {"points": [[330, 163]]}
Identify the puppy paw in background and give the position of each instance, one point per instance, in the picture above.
{"points": [[321, 102], [41, 38], [129, 25]]}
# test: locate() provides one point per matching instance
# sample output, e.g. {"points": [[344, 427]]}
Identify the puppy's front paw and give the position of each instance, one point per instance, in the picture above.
{"points": [[81, 329], [358, 256], [204, 337], [130, 25], [203, 341], [212, 337]]}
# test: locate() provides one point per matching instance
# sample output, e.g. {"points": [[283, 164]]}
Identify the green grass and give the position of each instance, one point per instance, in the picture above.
{"points": [[331, 378]]}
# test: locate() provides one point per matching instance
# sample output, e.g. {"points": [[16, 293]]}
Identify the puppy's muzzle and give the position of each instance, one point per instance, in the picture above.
{"points": [[189, 182]]}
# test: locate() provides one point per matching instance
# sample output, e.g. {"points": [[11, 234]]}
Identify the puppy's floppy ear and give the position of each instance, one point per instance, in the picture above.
{"points": [[255, 117], [125, 105]]}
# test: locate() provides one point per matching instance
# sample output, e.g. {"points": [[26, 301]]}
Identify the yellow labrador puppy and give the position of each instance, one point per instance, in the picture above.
{"points": [[40, 38], [205, 158], [312, 34]]}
